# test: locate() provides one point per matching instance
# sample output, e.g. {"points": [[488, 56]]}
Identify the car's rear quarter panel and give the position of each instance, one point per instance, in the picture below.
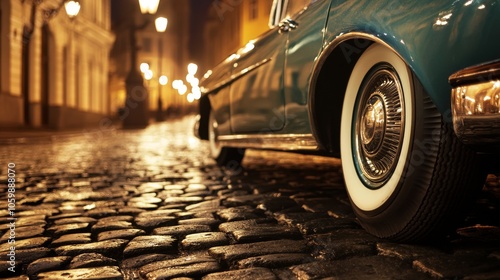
{"points": [[435, 38]]}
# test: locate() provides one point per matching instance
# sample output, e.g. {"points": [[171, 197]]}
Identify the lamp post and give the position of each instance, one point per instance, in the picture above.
{"points": [[163, 80], [161, 26], [136, 104]]}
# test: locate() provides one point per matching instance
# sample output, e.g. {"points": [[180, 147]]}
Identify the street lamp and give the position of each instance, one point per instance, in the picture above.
{"points": [[161, 26], [182, 89], [163, 80], [176, 84], [144, 67], [149, 6], [192, 68], [148, 75], [72, 8], [195, 93], [137, 96]]}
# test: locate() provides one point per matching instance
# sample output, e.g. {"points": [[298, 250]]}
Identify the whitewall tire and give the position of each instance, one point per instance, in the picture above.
{"points": [[366, 191], [405, 172]]}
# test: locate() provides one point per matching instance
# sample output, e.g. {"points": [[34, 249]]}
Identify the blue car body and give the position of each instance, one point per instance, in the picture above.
{"points": [[269, 90], [405, 92]]}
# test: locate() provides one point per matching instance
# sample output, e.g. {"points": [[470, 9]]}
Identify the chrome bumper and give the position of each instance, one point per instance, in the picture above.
{"points": [[475, 104]]}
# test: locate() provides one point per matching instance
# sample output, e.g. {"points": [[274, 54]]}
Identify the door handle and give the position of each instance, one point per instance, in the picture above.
{"points": [[287, 25]]}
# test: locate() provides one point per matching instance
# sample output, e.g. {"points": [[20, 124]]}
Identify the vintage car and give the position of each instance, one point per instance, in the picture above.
{"points": [[406, 93]]}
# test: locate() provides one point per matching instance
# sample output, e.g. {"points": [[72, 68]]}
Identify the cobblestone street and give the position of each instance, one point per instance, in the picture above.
{"points": [[151, 204]]}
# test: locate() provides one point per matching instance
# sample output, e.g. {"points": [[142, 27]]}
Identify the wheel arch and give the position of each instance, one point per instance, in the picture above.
{"points": [[328, 87], [331, 74]]}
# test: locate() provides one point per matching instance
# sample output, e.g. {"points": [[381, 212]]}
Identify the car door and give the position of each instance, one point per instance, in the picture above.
{"points": [[256, 94], [305, 42]]}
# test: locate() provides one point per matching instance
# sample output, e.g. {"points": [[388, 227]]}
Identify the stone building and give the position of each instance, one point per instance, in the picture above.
{"points": [[54, 69], [231, 24]]}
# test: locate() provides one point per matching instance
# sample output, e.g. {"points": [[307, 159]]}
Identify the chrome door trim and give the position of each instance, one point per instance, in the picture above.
{"points": [[288, 142], [236, 76]]}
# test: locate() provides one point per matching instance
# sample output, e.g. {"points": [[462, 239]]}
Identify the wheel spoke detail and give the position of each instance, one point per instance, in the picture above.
{"points": [[378, 133]]}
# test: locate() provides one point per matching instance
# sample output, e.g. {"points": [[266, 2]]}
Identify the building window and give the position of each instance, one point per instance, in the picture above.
{"points": [[254, 9], [146, 44]]}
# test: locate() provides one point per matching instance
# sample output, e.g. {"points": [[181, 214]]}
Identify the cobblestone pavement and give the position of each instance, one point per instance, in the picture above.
{"points": [[149, 204]]}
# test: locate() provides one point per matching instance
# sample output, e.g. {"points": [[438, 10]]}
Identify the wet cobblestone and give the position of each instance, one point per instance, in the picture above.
{"points": [[204, 240], [150, 204], [47, 264], [91, 260], [104, 273], [149, 244]]}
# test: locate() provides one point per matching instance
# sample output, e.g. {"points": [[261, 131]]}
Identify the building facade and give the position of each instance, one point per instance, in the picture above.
{"points": [[254, 19], [166, 54], [53, 69], [231, 24]]}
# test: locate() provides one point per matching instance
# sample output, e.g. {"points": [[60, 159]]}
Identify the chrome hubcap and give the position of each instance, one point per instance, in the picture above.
{"points": [[379, 126], [373, 124]]}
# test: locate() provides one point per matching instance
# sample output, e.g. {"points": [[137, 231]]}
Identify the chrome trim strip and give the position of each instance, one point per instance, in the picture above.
{"points": [[288, 142], [476, 74], [236, 76]]}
